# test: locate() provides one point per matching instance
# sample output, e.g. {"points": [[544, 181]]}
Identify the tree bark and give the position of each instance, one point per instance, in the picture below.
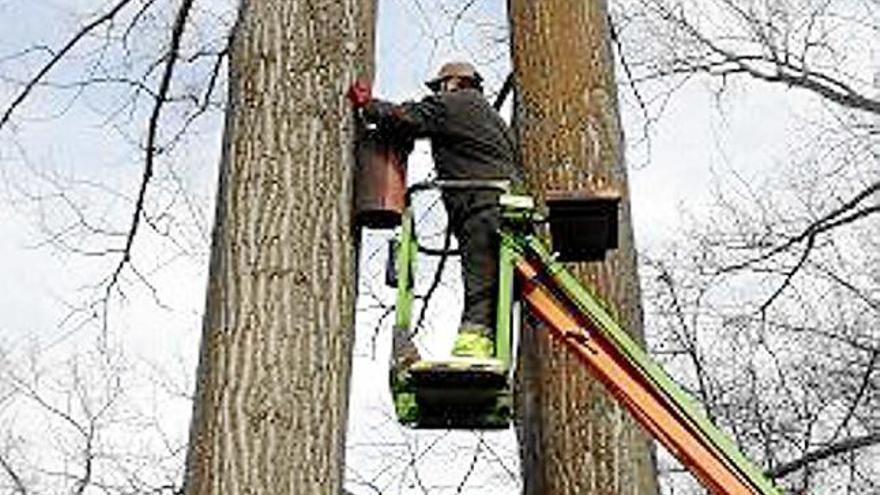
{"points": [[272, 384], [575, 439]]}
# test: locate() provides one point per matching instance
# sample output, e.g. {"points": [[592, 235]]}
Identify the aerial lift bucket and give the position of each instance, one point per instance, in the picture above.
{"points": [[468, 393], [461, 393], [455, 392], [380, 179]]}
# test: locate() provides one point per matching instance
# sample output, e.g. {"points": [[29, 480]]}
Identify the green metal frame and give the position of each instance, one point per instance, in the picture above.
{"points": [[402, 392], [402, 386], [503, 313], [405, 264]]}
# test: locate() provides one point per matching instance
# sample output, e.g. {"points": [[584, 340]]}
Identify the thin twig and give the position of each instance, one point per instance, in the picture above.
{"points": [[866, 382], [18, 485], [447, 241], [843, 447], [152, 132], [823, 224], [503, 93], [57, 57]]}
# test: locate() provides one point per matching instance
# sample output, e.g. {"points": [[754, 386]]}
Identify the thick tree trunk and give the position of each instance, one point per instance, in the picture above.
{"points": [[272, 384], [575, 439]]}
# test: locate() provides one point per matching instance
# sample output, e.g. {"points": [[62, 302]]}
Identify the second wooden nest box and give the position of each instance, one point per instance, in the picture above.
{"points": [[583, 224]]}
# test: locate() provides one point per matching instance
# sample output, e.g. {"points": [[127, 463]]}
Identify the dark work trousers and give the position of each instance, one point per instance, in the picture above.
{"points": [[474, 217]]}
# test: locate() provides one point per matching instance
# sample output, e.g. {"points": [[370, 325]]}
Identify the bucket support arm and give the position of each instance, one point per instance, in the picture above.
{"points": [[576, 318]]}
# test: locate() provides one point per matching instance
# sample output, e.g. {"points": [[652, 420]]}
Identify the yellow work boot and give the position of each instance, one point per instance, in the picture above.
{"points": [[473, 343]]}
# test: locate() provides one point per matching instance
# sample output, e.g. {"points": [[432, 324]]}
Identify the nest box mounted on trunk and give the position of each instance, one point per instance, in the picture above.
{"points": [[380, 178], [583, 225]]}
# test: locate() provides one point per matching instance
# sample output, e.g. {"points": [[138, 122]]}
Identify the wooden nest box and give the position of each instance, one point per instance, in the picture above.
{"points": [[380, 179], [583, 224]]}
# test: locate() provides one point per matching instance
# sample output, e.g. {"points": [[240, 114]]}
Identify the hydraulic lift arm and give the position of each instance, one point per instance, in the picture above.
{"points": [[577, 319]]}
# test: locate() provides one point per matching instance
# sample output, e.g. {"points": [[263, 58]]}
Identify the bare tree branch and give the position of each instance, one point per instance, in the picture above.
{"points": [[57, 57], [843, 447], [775, 67], [823, 224], [152, 132], [470, 470], [860, 394], [88, 462], [688, 341], [504, 92], [438, 274], [17, 483], [811, 240]]}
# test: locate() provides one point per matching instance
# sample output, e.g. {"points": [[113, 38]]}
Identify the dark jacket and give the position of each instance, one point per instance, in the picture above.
{"points": [[469, 140]]}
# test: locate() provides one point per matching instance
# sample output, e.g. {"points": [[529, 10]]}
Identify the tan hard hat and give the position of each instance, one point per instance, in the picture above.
{"points": [[454, 69]]}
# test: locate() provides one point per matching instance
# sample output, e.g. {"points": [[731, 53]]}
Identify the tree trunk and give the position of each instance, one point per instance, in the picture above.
{"points": [[272, 384], [575, 438]]}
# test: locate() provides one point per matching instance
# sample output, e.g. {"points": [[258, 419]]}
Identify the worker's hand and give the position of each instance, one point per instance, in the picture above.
{"points": [[360, 93]]}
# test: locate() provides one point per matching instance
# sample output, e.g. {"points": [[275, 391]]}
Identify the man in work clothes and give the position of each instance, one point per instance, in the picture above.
{"points": [[469, 141]]}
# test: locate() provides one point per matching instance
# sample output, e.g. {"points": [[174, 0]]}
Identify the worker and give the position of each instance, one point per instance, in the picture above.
{"points": [[469, 141]]}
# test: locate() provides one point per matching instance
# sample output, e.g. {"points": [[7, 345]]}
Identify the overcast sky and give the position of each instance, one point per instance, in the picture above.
{"points": [[160, 338]]}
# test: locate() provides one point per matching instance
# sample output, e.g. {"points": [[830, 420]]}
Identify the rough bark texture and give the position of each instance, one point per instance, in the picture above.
{"points": [[575, 439], [272, 384]]}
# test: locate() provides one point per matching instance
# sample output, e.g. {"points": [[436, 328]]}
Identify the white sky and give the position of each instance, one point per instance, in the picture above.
{"points": [[161, 341]]}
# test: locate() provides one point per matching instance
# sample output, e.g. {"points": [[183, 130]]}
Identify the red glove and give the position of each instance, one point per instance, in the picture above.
{"points": [[360, 93]]}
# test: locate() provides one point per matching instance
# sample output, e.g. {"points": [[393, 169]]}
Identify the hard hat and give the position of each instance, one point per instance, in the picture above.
{"points": [[454, 69]]}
